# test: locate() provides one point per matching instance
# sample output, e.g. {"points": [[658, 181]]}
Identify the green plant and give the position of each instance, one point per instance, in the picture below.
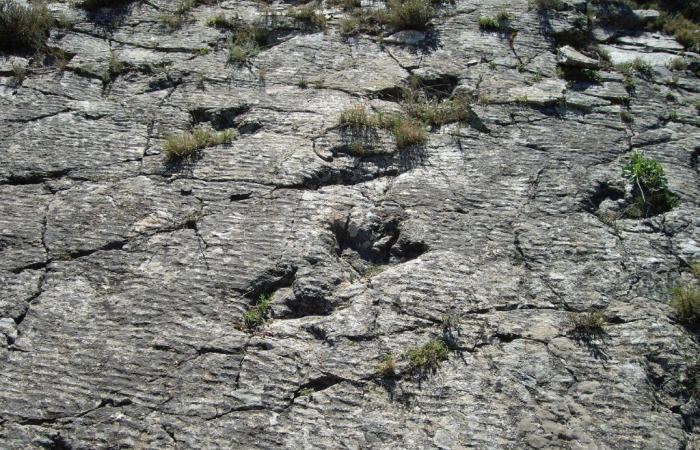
{"points": [[258, 314], [638, 65], [248, 40], [174, 19], [686, 303], [651, 194], [407, 131], [695, 268], [185, 145], [489, 23], [387, 368], [350, 26], [24, 28], [686, 31], [410, 14], [626, 116], [305, 392], [427, 356], [450, 322], [679, 63], [309, 14], [114, 68], [221, 21]]}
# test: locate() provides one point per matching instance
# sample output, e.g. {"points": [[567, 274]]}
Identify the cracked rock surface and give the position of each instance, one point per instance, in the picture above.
{"points": [[125, 279]]}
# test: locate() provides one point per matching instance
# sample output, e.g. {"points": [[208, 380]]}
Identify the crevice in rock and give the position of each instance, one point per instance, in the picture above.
{"points": [[34, 178], [220, 118], [319, 384], [114, 245]]}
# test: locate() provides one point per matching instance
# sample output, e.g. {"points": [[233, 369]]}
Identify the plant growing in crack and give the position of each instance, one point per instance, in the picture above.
{"points": [[256, 316], [589, 329], [427, 357], [650, 187], [685, 300], [387, 368], [186, 145]]}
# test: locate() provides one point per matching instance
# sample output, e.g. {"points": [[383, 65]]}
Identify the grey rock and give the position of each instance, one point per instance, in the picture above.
{"points": [[125, 277], [570, 57]]}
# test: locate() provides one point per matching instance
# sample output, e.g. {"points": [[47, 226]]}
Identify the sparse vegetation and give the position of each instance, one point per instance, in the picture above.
{"points": [[305, 392], [19, 72], [427, 356], [185, 145], [650, 186], [590, 323], [387, 368], [450, 322], [407, 131], [499, 23], [114, 68], [410, 14], [638, 65], [24, 28], [686, 303], [309, 14], [174, 19], [258, 314], [247, 41]]}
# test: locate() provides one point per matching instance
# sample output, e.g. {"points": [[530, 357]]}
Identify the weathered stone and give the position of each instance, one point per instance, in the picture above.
{"points": [[568, 56], [125, 275]]}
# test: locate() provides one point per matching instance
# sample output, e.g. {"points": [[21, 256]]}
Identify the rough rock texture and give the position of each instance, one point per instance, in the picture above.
{"points": [[124, 279]]}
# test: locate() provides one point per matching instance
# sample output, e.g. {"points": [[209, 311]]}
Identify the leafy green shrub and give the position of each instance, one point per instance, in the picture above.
{"points": [[651, 194], [186, 145], [686, 302], [428, 356], [24, 28], [258, 315]]}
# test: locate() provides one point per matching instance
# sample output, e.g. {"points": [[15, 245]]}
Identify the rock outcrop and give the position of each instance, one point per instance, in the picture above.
{"points": [[126, 277]]}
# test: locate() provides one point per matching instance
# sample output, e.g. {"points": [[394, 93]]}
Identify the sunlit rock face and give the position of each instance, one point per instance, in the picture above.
{"points": [[389, 235]]}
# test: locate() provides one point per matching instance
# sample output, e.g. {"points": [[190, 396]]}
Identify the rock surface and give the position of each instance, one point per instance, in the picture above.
{"points": [[125, 279]]}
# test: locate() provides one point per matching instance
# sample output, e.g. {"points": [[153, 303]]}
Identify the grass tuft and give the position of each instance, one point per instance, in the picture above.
{"points": [[185, 145], [428, 356], [685, 300], [387, 368], [24, 28], [258, 314]]}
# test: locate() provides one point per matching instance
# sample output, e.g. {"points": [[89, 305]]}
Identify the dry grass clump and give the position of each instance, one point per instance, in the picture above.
{"points": [[185, 145], [24, 28]]}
